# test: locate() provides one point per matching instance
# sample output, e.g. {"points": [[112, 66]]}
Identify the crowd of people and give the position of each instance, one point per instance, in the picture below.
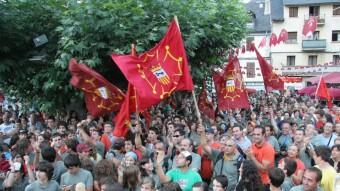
{"points": [[284, 142]]}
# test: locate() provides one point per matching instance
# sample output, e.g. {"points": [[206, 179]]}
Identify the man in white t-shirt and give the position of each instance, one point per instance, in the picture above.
{"points": [[7, 129]]}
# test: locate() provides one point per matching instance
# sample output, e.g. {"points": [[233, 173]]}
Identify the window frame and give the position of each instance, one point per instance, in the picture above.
{"points": [[292, 40], [291, 58], [292, 11], [337, 36], [250, 70], [311, 59], [336, 12]]}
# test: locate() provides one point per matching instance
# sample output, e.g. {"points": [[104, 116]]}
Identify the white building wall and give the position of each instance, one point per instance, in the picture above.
{"points": [[280, 52]]}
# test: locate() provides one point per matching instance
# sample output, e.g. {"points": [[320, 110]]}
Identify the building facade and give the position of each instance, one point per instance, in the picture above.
{"points": [[306, 56]]}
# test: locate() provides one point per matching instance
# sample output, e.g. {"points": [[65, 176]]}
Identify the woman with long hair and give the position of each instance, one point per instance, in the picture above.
{"points": [[104, 169], [131, 178], [250, 179], [147, 170]]}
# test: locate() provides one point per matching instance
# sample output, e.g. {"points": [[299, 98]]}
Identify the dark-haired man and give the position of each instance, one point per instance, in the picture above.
{"points": [[44, 176], [49, 155], [262, 154], [75, 174], [276, 177], [322, 154], [289, 167]]}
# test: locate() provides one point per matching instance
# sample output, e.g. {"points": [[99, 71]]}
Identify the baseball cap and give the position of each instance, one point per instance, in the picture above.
{"points": [[186, 154]]}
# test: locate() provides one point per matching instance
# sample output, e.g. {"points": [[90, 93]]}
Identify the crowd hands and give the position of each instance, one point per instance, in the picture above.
{"points": [[283, 142]]}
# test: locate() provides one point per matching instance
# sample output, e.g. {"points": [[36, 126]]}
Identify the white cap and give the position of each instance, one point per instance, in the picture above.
{"points": [[186, 154]]}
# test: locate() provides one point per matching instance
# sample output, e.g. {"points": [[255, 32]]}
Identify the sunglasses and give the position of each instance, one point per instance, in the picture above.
{"points": [[175, 135]]}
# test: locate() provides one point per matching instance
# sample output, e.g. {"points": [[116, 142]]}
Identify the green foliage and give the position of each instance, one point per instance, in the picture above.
{"points": [[93, 29]]}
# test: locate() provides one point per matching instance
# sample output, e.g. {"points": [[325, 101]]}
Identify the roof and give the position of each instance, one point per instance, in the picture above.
{"points": [[276, 10], [262, 22], [308, 2]]}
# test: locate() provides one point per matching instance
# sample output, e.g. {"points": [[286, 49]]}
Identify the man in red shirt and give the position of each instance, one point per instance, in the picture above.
{"points": [[262, 154]]}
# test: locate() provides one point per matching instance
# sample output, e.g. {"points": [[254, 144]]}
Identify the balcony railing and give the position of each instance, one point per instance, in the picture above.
{"points": [[314, 45], [319, 18]]}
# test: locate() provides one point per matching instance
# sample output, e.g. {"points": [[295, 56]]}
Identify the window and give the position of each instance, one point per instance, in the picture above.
{"points": [[293, 12], [314, 11], [290, 60], [336, 59], [336, 9], [250, 70], [335, 36], [251, 24], [312, 60], [292, 38]]}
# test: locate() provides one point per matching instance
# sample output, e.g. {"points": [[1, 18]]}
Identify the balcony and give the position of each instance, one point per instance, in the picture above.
{"points": [[319, 18], [314, 45]]}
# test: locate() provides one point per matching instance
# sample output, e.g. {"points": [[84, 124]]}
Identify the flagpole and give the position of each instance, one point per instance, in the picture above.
{"points": [[192, 91]]}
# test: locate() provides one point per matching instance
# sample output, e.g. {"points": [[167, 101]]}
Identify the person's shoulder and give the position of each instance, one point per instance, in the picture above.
{"points": [[297, 188], [84, 171], [268, 146], [53, 182]]}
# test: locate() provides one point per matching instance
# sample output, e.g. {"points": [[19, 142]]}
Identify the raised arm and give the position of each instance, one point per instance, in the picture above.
{"points": [[159, 169], [206, 148]]}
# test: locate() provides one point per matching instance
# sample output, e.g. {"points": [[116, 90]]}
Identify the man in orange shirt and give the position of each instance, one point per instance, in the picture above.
{"points": [[262, 154]]}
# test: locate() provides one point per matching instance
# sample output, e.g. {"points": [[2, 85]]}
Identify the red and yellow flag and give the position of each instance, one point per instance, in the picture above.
{"points": [[101, 96], [271, 80], [230, 90], [205, 106], [159, 72]]}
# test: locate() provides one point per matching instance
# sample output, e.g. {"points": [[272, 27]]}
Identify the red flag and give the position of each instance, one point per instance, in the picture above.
{"points": [[310, 26], [204, 105], [273, 40], [147, 117], [123, 117], [230, 90], [263, 42], [158, 72], [283, 36], [101, 96], [322, 92], [271, 80]]}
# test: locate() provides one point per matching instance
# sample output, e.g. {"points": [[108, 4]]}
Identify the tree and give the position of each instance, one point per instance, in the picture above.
{"points": [[92, 29]]}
